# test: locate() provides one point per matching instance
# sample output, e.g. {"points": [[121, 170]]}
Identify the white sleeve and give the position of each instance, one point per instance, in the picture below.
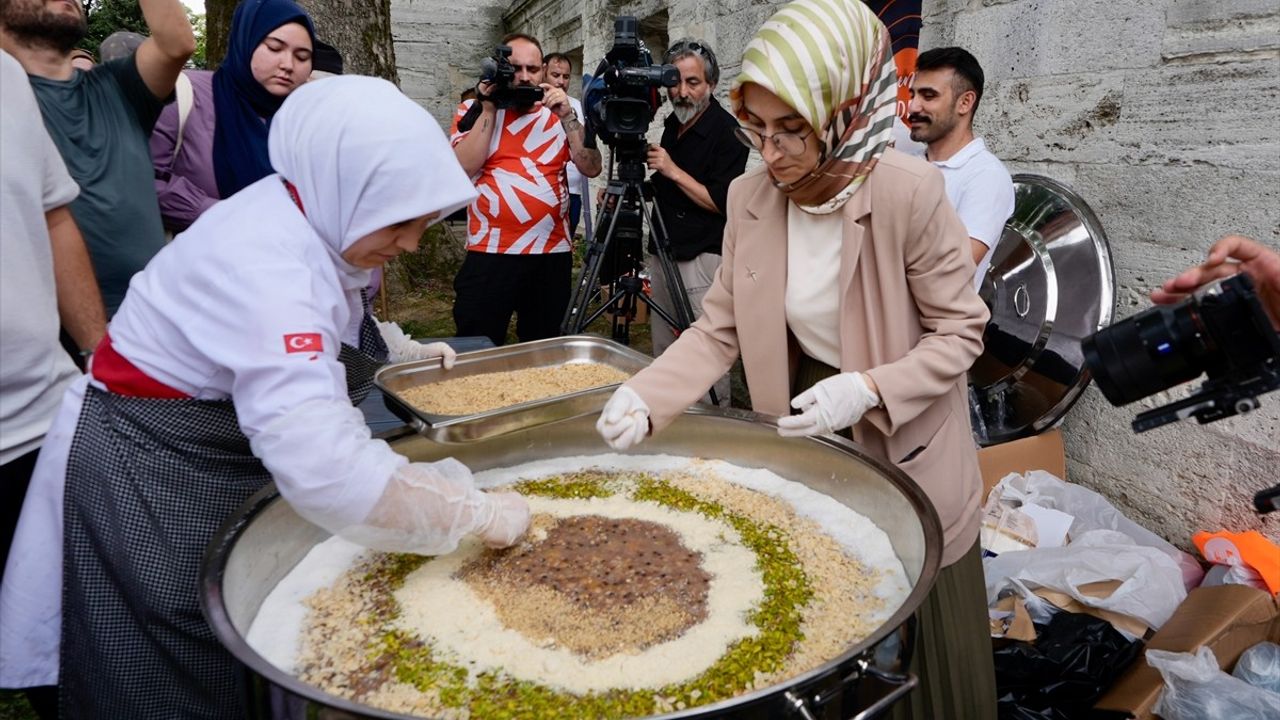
{"points": [[326, 463], [986, 204], [278, 334], [59, 189]]}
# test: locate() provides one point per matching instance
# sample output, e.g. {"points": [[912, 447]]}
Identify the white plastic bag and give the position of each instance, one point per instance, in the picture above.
{"points": [[1151, 583], [1234, 575], [1260, 666], [1093, 512], [1196, 689]]}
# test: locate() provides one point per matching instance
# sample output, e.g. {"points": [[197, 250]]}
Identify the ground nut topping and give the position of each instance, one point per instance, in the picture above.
{"points": [[487, 391]]}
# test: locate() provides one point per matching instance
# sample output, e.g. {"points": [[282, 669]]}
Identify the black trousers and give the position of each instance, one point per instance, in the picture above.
{"points": [[15, 475], [490, 287]]}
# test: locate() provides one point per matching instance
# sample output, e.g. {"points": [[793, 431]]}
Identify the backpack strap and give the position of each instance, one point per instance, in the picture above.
{"points": [[186, 98]]}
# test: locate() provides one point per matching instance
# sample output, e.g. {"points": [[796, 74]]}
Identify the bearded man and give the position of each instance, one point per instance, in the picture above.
{"points": [[100, 121], [944, 98], [692, 167]]}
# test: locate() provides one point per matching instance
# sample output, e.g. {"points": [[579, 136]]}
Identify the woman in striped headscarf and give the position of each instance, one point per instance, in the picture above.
{"points": [[845, 286]]}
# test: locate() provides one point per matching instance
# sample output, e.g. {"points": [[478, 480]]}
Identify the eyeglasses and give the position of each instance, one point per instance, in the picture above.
{"points": [[788, 143]]}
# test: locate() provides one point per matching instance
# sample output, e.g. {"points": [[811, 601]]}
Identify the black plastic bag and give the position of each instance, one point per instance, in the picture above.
{"points": [[1074, 660]]}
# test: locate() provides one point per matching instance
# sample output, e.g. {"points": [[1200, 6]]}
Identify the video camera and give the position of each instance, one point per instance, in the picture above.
{"points": [[623, 97], [505, 93], [1220, 331]]}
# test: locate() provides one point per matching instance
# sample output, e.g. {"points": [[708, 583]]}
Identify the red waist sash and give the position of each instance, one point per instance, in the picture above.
{"points": [[124, 378]]}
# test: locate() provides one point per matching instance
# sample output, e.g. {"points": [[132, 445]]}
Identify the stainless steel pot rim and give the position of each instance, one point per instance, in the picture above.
{"points": [[216, 557]]}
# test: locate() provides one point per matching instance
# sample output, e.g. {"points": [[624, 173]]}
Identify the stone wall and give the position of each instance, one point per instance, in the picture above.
{"points": [[439, 46], [1164, 115]]}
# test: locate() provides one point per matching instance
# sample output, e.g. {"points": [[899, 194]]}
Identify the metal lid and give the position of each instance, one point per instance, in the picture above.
{"points": [[1050, 285]]}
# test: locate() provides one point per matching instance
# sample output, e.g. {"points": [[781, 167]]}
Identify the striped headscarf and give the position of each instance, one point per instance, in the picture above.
{"points": [[830, 60]]}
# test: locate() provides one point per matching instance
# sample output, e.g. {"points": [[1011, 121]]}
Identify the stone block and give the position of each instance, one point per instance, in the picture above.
{"points": [[1219, 114], [1186, 13], [1022, 39], [1237, 39], [1061, 118], [1181, 207]]}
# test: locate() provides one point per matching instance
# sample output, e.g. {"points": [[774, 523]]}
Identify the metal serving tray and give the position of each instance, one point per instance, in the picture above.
{"points": [[395, 379]]}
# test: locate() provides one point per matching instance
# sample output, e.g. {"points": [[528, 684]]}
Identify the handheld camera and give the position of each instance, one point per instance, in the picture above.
{"points": [[498, 70], [1221, 331]]}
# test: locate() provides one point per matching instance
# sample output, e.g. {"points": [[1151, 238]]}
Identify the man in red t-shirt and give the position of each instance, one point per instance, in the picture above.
{"points": [[519, 258]]}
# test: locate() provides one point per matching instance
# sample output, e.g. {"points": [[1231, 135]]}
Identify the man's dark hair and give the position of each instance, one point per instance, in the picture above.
{"points": [[968, 73], [558, 57], [506, 40], [326, 58]]}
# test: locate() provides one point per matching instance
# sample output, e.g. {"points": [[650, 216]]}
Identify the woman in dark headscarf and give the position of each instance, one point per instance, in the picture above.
{"points": [[845, 285], [213, 140]]}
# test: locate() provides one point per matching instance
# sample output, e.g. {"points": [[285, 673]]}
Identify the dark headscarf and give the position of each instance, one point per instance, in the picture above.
{"points": [[241, 103]]}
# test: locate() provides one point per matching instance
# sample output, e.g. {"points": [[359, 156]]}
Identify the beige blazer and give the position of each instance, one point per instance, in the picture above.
{"points": [[909, 318]]}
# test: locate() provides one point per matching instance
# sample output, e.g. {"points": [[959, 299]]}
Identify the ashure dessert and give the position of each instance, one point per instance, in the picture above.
{"points": [[646, 584], [487, 391]]}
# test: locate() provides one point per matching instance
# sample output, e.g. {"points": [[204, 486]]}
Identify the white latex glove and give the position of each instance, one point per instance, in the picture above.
{"points": [[832, 404], [625, 419], [509, 521], [427, 508], [403, 348]]}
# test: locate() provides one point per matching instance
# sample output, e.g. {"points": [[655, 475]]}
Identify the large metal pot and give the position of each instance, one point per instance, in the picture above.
{"points": [[266, 539]]}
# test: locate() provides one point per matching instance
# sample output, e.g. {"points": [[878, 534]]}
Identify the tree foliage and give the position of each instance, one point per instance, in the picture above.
{"points": [[108, 16]]}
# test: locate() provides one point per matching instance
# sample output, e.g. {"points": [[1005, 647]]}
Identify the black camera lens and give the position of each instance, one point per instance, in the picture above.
{"points": [[627, 116], [1149, 352]]}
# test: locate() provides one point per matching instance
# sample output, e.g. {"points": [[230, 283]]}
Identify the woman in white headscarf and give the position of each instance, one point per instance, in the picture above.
{"points": [[845, 287], [233, 362]]}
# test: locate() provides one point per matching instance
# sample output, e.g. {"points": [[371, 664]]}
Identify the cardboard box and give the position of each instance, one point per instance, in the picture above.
{"points": [[1038, 452], [1229, 619]]}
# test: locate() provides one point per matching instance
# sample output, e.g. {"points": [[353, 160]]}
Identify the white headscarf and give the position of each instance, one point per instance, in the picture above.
{"points": [[363, 156]]}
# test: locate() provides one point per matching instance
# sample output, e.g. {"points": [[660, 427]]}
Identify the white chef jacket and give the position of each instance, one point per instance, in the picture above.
{"points": [[215, 323]]}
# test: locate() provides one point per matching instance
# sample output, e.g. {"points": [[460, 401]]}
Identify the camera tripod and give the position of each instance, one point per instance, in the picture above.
{"points": [[614, 259]]}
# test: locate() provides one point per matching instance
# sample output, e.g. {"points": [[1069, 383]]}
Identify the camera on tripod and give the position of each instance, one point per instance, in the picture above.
{"points": [[623, 98], [504, 93], [1220, 331]]}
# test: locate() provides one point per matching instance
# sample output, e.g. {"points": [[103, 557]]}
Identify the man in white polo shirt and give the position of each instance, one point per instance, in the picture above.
{"points": [[944, 98]]}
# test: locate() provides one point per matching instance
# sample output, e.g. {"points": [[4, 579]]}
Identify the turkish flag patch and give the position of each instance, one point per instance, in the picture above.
{"points": [[303, 342]]}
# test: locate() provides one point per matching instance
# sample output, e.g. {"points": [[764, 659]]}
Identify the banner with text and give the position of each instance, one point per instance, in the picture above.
{"points": [[902, 17]]}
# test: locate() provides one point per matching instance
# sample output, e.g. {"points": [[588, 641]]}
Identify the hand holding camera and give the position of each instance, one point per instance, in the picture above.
{"points": [[556, 100], [498, 86], [1230, 255]]}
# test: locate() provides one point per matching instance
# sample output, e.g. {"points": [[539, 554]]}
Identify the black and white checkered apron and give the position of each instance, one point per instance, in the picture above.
{"points": [[371, 342], [149, 482]]}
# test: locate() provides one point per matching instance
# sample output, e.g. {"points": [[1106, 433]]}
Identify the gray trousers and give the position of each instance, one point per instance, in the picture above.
{"points": [[696, 274]]}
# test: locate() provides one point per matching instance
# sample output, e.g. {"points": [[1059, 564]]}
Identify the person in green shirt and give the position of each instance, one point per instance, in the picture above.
{"points": [[100, 121]]}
